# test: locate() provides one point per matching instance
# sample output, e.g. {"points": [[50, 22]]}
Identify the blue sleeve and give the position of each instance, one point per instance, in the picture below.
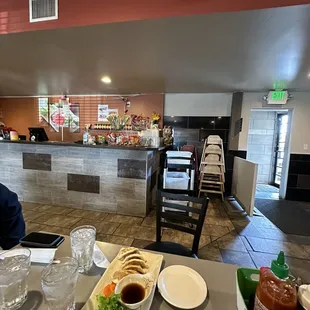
{"points": [[12, 224]]}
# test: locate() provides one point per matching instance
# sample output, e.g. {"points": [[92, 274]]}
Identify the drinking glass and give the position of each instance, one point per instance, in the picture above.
{"points": [[14, 269], [82, 244], [58, 281]]}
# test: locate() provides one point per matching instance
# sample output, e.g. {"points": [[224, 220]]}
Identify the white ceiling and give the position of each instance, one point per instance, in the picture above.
{"points": [[241, 51]]}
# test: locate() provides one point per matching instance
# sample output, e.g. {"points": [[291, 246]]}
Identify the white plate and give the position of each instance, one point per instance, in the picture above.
{"points": [[182, 287]]}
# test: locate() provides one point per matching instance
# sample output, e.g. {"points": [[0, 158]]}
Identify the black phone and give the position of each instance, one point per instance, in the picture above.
{"points": [[41, 240]]}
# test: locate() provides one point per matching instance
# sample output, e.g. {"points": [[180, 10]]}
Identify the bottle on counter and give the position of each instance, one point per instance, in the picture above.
{"points": [[86, 137], [13, 135], [275, 290]]}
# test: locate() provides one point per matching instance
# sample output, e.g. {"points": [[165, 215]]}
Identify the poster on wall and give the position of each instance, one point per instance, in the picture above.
{"points": [[104, 112], [74, 117], [43, 111], [65, 116]]}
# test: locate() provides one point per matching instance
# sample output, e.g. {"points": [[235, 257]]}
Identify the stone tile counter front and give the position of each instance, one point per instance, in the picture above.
{"points": [[114, 179]]}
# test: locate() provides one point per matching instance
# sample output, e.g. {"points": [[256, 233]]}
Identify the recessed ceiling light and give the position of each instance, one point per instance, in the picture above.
{"points": [[212, 122], [309, 75], [219, 117], [172, 116], [106, 80], [175, 121]]}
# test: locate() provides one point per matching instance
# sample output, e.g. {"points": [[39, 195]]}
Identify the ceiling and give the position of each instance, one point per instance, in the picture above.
{"points": [[224, 52]]}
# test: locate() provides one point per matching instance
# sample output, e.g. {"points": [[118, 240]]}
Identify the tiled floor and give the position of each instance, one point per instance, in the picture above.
{"points": [[266, 191], [228, 235]]}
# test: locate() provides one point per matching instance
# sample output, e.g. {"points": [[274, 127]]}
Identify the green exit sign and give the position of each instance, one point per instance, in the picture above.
{"points": [[277, 97]]}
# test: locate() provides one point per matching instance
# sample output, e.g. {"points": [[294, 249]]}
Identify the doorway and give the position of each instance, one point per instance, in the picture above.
{"points": [[281, 132], [268, 141]]}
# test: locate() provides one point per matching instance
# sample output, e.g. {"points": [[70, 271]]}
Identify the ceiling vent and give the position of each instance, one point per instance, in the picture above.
{"points": [[43, 10]]}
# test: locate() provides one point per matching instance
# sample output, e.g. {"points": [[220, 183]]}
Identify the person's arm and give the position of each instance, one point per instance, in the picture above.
{"points": [[12, 224]]}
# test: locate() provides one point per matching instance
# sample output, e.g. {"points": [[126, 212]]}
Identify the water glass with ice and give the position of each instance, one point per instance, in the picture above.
{"points": [[82, 245], [14, 269], [58, 281]]}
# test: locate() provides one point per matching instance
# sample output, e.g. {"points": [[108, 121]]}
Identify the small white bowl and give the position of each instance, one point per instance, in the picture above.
{"points": [[145, 281]]}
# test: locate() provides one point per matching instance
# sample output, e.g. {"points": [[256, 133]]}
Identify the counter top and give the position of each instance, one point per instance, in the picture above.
{"points": [[58, 143]]}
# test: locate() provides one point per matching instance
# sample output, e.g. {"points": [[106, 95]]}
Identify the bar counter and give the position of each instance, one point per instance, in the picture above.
{"points": [[118, 179]]}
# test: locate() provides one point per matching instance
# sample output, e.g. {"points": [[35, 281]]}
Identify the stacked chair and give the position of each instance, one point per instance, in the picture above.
{"points": [[179, 176], [212, 167], [179, 172]]}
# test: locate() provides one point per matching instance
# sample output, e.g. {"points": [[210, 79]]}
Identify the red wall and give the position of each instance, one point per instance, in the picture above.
{"points": [[14, 16], [21, 113]]}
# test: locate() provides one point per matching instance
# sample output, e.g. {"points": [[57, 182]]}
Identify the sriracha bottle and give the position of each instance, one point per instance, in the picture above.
{"points": [[275, 291]]}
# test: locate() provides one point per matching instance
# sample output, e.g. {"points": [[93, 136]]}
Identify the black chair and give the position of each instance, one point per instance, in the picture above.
{"points": [[176, 220]]}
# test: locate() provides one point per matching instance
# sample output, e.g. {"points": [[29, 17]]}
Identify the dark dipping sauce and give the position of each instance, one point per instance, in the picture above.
{"points": [[133, 293]]}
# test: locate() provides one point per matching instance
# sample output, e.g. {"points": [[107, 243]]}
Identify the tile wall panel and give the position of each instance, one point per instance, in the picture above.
{"points": [[83, 183], [36, 161], [131, 168], [298, 185], [303, 181], [292, 180], [176, 121], [201, 122]]}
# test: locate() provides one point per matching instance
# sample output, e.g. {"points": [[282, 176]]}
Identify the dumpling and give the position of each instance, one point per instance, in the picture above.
{"points": [[136, 268], [133, 256], [135, 262], [120, 274], [126, 252]]}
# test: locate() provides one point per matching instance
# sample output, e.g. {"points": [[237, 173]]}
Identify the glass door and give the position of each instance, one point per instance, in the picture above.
{"points": [[282, 122]]}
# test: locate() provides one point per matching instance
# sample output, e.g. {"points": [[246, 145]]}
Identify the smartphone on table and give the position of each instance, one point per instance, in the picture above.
{"points": [[41, 240]]}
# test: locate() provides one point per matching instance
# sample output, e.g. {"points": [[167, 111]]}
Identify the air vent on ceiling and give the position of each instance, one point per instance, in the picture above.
{"points": [[43, 10]]}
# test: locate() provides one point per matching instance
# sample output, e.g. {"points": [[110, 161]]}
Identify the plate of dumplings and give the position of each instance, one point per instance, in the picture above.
{"points": [[129, 261]]}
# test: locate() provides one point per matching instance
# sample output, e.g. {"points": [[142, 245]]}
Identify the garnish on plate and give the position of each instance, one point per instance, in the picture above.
{"points": [[109, 289], [109, 303]]}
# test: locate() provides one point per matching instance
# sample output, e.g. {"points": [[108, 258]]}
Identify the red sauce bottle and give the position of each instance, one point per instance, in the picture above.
{"points": [[275, 290]]}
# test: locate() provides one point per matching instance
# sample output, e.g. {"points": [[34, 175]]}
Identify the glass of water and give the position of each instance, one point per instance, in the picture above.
{"points": [[14, 269], [58, 281], [82, 244]]}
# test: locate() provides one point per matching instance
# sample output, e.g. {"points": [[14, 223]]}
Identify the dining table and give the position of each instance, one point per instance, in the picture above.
{"points": [[219, 277]]}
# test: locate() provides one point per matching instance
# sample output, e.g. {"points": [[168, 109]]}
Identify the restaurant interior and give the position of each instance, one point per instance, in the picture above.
{"points": [[154, 155]]}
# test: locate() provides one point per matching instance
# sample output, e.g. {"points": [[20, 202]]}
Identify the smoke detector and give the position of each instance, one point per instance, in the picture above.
{"points": [[43, 10]]}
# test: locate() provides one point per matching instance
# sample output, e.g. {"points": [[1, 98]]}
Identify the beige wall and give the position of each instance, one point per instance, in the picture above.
{"points": [[301, 119], [212, 104]]}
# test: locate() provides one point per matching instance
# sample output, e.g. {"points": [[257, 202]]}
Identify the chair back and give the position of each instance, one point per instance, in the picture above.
{"points": [[168, 208]]}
